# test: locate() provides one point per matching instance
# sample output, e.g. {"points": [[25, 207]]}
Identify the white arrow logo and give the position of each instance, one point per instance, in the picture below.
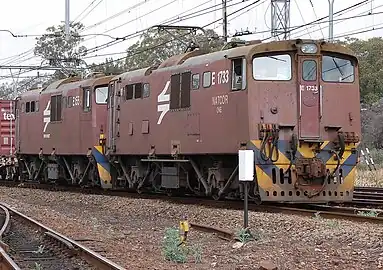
{"points": [[47, 119], [163, 108]]}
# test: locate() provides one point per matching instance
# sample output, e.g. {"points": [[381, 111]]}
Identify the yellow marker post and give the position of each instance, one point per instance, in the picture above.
{"points": [[101, 141], [184, 229]]}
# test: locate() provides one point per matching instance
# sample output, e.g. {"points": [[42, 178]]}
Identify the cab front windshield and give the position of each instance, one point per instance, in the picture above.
{"points": [[272, 68], [101, 94], [277, 67]]}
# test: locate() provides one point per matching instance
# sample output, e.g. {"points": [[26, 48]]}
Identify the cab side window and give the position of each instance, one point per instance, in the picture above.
{"points": [[86, 99], [238, 74]]}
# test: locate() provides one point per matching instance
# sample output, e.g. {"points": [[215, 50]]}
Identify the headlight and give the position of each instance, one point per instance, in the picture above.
{"points": [[309, 48]]}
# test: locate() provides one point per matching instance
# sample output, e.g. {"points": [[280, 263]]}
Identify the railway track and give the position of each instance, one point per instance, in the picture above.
{"points": [[326, 211], [28, 244], [368, 196]]}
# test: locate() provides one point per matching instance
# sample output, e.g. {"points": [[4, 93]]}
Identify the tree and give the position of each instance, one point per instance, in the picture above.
{"points": [[155, 46], [55, 48], [370, 55], [14, 89], [110, 66]]}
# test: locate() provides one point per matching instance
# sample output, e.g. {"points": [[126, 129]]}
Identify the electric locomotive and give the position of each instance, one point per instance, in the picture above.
{"points": [[177, 127]]}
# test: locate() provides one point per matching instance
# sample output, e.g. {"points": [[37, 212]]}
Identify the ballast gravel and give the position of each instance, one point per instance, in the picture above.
{"points": [[130, 232]]}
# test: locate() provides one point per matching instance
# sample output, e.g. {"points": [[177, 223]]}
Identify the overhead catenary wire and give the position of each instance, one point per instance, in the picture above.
{"points": [[342, 19], [258, 32], [324, 22], [137, 33], [303, 19], [91, 10], [172, 39], [317, 20], [88, 6], [173, 17], [115, 15], [316, 16]]}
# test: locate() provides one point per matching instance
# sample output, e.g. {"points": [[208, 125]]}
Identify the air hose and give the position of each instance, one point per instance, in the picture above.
{"points": [[271, 139], [292, 153], [342, 146]]}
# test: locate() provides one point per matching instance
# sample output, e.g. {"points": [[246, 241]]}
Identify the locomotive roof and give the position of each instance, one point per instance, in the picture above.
{"points": [[64, 85], [199, 57]]}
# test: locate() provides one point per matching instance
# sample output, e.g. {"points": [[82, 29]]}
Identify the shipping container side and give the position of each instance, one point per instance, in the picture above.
{"points": [[7, 127]]}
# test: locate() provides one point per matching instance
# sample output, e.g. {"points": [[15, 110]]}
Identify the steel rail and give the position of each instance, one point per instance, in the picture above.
{"points": [[369, 189], [349, 213], [92, 257], [6, 261], [222, 233], [338, 214]]}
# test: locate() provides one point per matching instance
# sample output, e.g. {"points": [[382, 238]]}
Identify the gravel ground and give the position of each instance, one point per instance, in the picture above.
{"points": [[130, 232]]}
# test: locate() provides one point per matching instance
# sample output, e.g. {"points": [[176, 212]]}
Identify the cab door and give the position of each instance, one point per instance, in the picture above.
{"points": [[309, 93], [113, 114]]}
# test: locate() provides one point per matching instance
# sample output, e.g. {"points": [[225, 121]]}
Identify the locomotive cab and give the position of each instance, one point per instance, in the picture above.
{"points": [[306, 139]]}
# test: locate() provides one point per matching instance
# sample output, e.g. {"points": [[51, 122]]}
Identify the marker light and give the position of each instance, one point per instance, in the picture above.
{"points": [[309, 48]]}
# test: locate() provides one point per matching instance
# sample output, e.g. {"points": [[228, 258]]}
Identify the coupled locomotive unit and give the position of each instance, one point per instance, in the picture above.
{"points": [[177, 127]]}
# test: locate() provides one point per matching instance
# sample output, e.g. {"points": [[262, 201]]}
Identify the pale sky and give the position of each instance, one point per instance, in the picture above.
{"points": [[33, 17]]}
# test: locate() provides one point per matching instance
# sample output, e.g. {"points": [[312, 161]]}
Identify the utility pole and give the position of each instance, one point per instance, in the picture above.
{"points": [[224, 16], [67, 31], [280, 18], [331, 20]]}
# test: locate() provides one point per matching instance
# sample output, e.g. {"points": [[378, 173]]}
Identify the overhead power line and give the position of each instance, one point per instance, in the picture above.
{"points": [[88, 6], [137, 33], [36, 67], [310, 23], [116, 15], [172, 39], [316, 23]]}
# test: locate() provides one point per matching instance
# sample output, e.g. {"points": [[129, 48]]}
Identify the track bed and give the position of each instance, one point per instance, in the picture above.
{"points": [[129, 229], [31, 249]]}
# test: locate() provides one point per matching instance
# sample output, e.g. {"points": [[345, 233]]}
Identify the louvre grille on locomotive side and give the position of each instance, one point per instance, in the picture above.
{"points": [[177, 127]]}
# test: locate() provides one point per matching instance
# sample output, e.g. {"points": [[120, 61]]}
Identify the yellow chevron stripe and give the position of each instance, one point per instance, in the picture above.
{"points": [[99, 149], [265, 182], [324, 144], [306, 151], [347, 153], [104, 175], [349, 180]]}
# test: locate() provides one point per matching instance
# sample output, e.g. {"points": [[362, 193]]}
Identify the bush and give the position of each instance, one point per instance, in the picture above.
{"points": [[172, 250], [178, 253]]}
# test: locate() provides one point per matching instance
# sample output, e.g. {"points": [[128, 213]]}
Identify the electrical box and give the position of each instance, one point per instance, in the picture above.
{"points": [[246, 165]]}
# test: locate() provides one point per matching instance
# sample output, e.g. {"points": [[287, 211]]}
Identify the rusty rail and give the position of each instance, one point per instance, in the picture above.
{"points": [[222, 233], [330, 212], [90, 256]]}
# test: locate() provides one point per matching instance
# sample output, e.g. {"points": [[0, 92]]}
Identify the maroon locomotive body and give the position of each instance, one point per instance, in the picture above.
{"points": [[59, 125], [177, 127]]}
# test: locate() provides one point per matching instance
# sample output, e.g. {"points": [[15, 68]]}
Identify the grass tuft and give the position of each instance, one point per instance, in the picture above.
{"points": [[175, 252]]}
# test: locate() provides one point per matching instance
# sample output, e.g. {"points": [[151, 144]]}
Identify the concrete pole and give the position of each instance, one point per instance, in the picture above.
{"points": [[331, 21], [67, 31], [224, 16]]}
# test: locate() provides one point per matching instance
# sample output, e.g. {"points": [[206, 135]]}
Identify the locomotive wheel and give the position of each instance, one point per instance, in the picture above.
{"points": [[257, 200], [214, 194]]}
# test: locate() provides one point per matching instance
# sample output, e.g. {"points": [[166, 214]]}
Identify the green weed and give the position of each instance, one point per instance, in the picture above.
{"points": [[171, 248], [371, 213], [175, 252], [333, 223], [244, 236]]}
